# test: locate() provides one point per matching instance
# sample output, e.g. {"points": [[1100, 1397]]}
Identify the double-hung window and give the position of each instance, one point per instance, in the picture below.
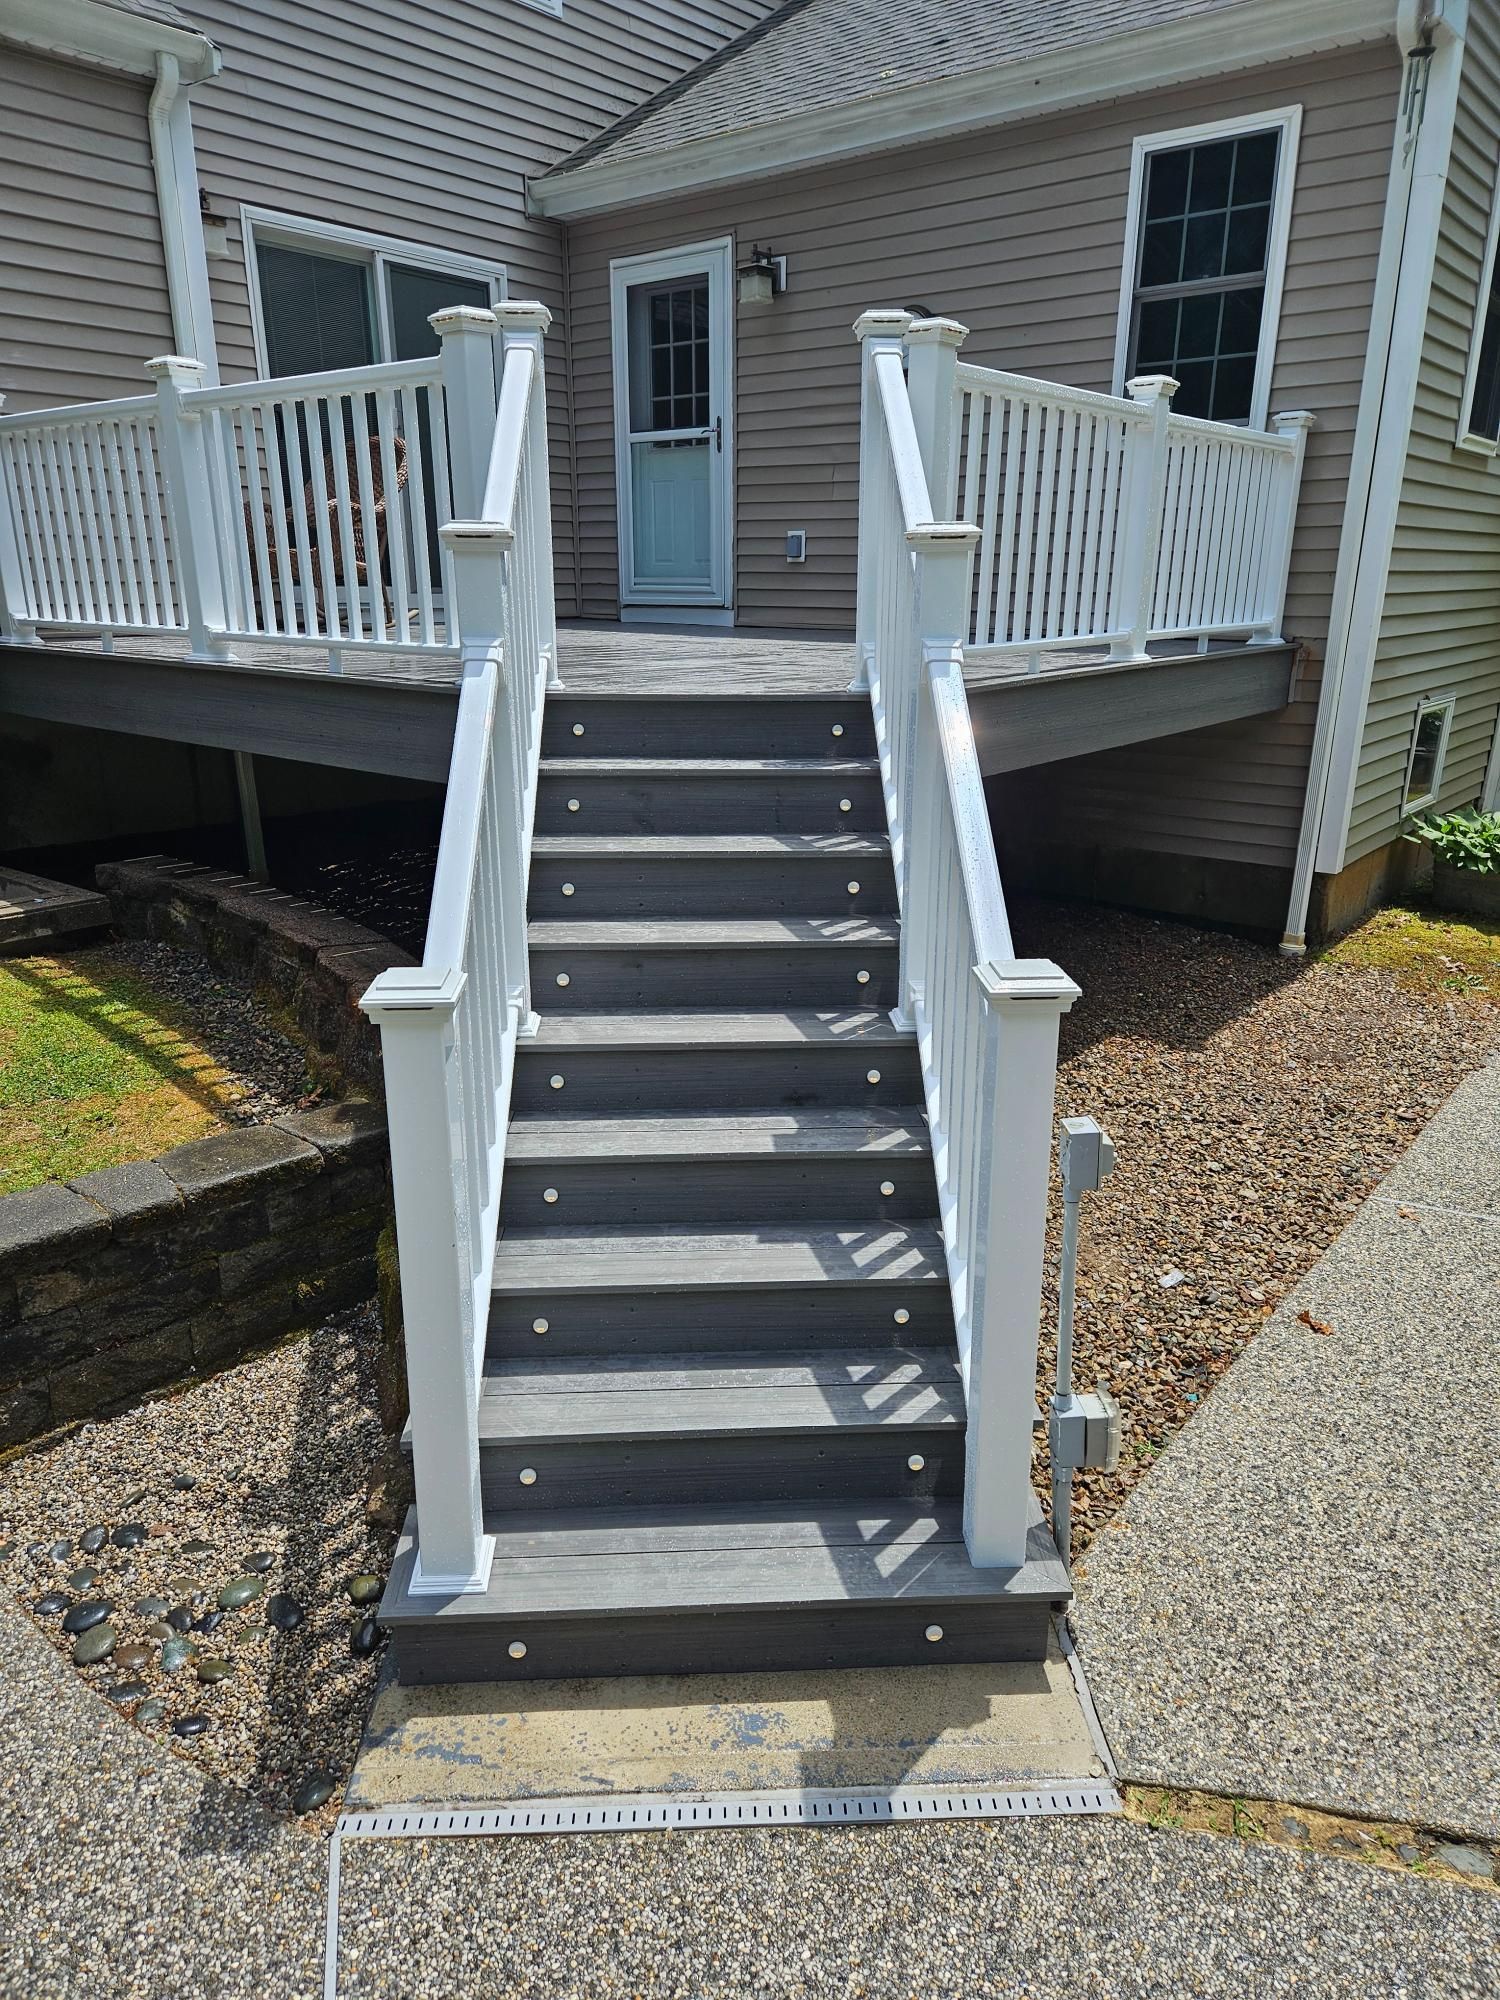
{"points": [[1479, 417], [1205, 252]]}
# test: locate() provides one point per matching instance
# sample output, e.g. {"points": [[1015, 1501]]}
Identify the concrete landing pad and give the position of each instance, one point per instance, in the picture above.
{"points": [[875, 1728], [32, 908]]}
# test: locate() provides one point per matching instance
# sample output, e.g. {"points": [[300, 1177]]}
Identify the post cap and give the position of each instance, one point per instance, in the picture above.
{"points": [[887, 322], [1294, 420], [1147, 388], [462, 319], [523, 315], [1026, 982], [943, 538], [476, 537], [944, 332], [175, 368], [414, 989]]}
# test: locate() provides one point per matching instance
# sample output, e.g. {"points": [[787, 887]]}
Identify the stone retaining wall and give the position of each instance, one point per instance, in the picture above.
{"points": [[296, 954], [139, 1276]]}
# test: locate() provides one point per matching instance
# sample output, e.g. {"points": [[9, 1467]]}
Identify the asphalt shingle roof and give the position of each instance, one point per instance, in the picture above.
{"points": [[819, 55]]}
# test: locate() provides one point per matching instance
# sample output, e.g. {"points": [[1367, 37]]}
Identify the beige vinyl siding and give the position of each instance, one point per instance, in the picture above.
{"points": [[1020, 235], [83, 286], [421, 119], [1440, 626]]}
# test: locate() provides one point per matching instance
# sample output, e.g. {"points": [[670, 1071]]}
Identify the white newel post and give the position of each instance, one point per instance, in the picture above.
{"points": [[466, 336], [414, 1008], [1025, 999], [1140, 517], [17, 621], [1293, 425], [931, 375], [524, 323], [878, 331], [183, 445]]}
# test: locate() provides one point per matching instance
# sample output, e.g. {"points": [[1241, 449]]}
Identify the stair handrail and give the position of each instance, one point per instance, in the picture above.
{"points": [[449, 1026], [986, 1021]]}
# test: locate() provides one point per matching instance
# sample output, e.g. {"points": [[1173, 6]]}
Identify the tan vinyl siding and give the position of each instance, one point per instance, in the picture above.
{"points": [[83, 286], [1020, 235], [422, 121], [1440, 626]]}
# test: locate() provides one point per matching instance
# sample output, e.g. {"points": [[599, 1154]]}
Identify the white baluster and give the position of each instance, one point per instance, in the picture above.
{"points": [[1141, 500], [182, 450]]}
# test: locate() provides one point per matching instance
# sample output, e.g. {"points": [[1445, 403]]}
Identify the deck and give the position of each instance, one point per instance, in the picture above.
{"points": [[392, 713]]}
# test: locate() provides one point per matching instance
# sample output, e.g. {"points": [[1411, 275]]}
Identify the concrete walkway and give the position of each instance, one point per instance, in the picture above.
{"points": [[1302, 1602], [1299, 1604]]}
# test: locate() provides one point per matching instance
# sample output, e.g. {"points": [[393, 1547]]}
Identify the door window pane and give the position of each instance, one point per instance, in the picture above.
{"points": [[667, 331], [1205, 231], [317, 311]]}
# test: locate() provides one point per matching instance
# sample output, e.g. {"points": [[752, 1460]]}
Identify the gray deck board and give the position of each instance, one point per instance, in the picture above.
{"points": [[699, 1031], [709, 767], [712, 933], [775, 1254], [816, 1367], [696, 1135], [710, 846], [671, 1405]]}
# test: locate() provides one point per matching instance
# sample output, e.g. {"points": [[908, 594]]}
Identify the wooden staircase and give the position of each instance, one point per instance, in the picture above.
{"points": [[721, 1423]]}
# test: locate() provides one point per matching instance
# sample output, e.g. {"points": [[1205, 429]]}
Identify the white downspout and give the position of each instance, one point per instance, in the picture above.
{"points": [[176, 171], [1398, 321]]}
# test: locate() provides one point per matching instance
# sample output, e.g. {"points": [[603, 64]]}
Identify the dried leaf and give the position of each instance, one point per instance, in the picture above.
{"points": [[1317, 1325]]}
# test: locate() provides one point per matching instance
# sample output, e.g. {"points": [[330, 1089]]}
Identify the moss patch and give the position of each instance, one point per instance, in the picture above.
{"points": [[1426, 951], [95, 1068]]}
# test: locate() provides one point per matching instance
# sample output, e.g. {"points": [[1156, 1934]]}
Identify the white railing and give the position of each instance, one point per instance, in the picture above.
{"points": [[986, 1021], [449, 1026], [1106, 521], [302, 510]]}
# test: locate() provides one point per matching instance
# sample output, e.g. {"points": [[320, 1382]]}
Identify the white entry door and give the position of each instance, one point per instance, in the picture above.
{"points": [[673, 448]]}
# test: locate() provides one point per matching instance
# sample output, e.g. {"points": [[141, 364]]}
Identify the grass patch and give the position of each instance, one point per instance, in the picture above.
{"points": [[1426, 950], [95, 1068]]}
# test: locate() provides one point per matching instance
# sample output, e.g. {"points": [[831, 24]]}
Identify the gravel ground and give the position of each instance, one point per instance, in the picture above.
{"points": [[1097, 1909], [1301, 1603], [1255, 1103], [265, 1069], [256, 1476]]}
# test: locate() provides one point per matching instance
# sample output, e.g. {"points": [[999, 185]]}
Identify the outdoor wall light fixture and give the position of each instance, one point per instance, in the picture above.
{"points": [[763, 278]]}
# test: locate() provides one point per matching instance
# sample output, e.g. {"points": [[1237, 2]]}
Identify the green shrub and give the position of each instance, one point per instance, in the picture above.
{"points": [[1463, 839]]}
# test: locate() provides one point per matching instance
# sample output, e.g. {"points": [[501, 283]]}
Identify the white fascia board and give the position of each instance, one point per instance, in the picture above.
{"points": [[84, 31], [1061, 80]]}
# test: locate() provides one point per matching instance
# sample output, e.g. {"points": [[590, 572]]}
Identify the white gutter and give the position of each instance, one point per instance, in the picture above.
{"points": [[1200, 45], [176, 168], [85, 31], [1398, 320]]}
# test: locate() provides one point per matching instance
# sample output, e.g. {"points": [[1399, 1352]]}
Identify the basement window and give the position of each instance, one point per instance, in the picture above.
{"points": [[1206, 238], [1429, 746], [1479, 415]]}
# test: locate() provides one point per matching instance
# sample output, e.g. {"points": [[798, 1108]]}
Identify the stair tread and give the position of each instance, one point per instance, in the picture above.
{"points": [[730, 846], [770, 1029], [660, 1259], [715, 1557], [720, 1395], [692, 1135], [707, 767], [710, 933]]}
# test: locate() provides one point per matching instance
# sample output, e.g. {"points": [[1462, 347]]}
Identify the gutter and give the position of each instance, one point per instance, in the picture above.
{"points": [[107, 37], [175, 165], [1201, 45], [1398, 324]]}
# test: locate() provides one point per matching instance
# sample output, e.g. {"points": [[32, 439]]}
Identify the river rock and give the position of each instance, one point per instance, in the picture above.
{"points": [[180, 1618], [152, 1710], [93, 1541], [129, 1535], [60, 1551], [151, 1607], [84, 1617], [176, 1653], [364, 1589], [365, 1638], [214, 1670], [284, 1612], [160, 1629], [132, 1658], [95, 1645], [1471, 1861], [316, 1789], [127, 1691], [51, 1604], [261, 1563], [196, 1551], [190, 1725], [183, 1482], [241, 1590], [209, 1622], [82, 1579]]}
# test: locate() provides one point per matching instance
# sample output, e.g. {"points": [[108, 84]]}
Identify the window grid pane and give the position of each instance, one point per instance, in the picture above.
{"points": [[679, 359]]}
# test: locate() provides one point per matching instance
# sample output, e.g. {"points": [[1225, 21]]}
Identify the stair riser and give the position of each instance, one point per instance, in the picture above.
{"points": [[770, 802], [727, 1078], [673, 727], [724, 978], [888, 1635], [678, 1471], [720, 1320], [737, 1192], [784, 887]]}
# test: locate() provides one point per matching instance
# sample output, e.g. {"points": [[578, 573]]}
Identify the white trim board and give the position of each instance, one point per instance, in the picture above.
{"points": [[1286, 122], [1063, 79], [301, 232], [1469, 440]]}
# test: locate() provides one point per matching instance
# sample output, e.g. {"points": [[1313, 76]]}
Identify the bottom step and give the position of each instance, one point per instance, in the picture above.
{"points": [[713, 1589]]}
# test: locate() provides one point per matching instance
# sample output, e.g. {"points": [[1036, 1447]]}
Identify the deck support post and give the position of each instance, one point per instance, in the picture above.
{"points": [[1140, 517], [183, 446], [250, 823], [414, 1009], [1025, 1000], [877, 332]]}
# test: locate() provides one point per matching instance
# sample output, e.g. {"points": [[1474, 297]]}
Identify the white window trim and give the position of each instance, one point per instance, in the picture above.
{"points": [[298, 232], [1426, 706], [1288, 122], [1471, 440]]}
